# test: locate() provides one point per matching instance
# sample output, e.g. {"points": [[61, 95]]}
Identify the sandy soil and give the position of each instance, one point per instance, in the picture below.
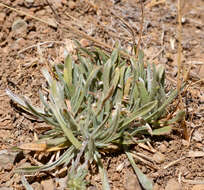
{"points": [[27, 47]]}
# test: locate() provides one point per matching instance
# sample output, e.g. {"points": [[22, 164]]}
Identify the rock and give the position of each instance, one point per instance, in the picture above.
{"points": [[185, 143], [131, 182], [2, 17], [61, 183], [62, 172], [159, 157], [120, 167], [166, 143], [37, 186], [29, 3], [144, 169], [163, 60], [8, 166], [41, 12], [198, 187], [183, 20], [84, 42], [162, 148], [173, 184], [18, 44], [19, 27], [48, 184], [7, 158], [57, 3], [93, 187], [72, 5], [52, 22]]}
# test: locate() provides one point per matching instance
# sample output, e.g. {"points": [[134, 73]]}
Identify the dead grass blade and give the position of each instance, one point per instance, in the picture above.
{"points": [[141, 28], [179, 61]]}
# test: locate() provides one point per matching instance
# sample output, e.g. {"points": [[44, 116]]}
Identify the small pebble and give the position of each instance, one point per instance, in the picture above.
{"points": [[19, 25], [131, 182], [7, 159], [163, 148], [93, 187], [37, 186], [48, 184], [172, 184], [52, 22], [185, 143], [159, 157], [72, 5], [183, 20], [84, 42], [18, 44], [29, 3], [120, 167], [197, 136], [2, 17]]}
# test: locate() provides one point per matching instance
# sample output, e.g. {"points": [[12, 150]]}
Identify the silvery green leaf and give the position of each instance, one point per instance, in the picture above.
{"points": [[47, 75], [149, 80], [155, 115], [106, 75], [162, 131], [67, 131], [179, 117], [161, 74], [108, 134], [89, 80], [139, 113], [25, 183], [98, 129], [61, 160], [68, 74], [22, 102], [144, 95], [105, 182], [114, 56], [73, 124], [102, 55], [146, 183]]}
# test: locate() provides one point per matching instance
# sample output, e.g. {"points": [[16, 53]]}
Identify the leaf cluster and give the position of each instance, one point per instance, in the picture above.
{"points": [[100, 101]]}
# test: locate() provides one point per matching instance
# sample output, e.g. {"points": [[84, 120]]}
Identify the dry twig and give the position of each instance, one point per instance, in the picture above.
{"points": [[141, 28]]}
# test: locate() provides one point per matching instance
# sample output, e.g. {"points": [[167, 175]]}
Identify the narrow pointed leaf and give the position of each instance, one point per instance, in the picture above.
{"points": [[162, 131], [68, 74], [140, 112], [146, 183], [105, 183], [61, 160], [22, 102], [155, 114], [25, 183], [179, 117], [143, 92], [65, 128]]}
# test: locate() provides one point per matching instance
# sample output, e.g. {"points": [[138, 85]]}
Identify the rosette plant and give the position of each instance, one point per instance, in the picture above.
{"points": [[99, 103]]}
